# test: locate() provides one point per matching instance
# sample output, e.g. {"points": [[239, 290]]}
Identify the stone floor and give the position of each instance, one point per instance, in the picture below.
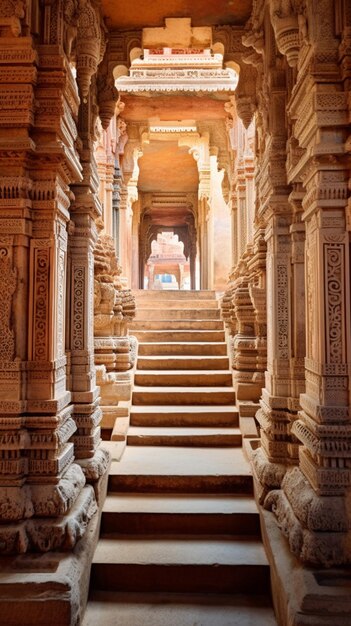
{"points": [[130, 609]]}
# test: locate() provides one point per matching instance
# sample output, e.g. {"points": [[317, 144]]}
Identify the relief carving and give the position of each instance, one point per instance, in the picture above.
{"points": [[11, 13], [8, 284], [90, 44], [290, 26], [334, 255]]}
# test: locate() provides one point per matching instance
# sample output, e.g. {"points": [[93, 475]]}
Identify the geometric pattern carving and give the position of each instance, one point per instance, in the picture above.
{"points": [[79, 285]]}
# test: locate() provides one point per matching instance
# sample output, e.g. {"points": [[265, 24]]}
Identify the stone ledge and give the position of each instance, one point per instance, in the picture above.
{"points": [[111, 413], [303, 596]]}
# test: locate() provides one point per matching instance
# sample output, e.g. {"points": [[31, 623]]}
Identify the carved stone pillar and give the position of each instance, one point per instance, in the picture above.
{"points": [[234, 215], [200, 150], [319, 532], [135, 245], [46, 503], [242, 209], [278, 403], [274, 416], [124, 222], [108, 214], [114, 308], [192, 257], [18, 59], [298, 311], [116, 201], [85, 392], [244, 341], [258, 295], [203, 227], [129, 195], [323, 477]]}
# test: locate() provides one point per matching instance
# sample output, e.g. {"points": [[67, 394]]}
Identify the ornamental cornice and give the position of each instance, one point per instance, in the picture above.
{"points": [[179, 80]]}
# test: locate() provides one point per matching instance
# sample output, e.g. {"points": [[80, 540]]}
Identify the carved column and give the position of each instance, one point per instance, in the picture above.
{"points": [[242, 208], [135, 246], [244, 341], [320, 532], [129, 195], [234, 213], [45, 496], [273, 415], [96, 93], [278, 403], [298, 318], [114, 308], [18, 59], [258, 295], [242, 320], [203, 217], [85, 393], [199, 148], [192, 256]]}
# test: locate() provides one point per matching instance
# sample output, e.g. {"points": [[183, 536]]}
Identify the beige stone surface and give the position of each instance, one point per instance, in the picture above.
{"points": [[191, 551], [182, 461], [176, 610], [184, 436]]}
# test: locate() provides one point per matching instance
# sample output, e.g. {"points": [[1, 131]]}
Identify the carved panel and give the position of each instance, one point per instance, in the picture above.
{"points": [[41, 301], [8, 283], [335, 306], [61, 283], [283, 311], [79, 283]]}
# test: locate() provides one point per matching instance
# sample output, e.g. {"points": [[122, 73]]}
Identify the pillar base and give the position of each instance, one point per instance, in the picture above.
{"points": [[55, 583], [316, 527], [15, 503], [303, 596], [95, 469], [247, 385], [53, 500], [44, 534], [267, 475]]}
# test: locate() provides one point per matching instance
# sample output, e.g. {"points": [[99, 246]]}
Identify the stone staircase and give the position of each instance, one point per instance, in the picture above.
{"points": [[180, 536]]}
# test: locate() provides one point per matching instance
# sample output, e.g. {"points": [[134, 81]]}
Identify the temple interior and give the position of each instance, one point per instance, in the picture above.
{"points": [[175, 345]]}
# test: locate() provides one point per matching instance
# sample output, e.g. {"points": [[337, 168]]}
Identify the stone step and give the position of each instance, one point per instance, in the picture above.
{"points": [[158, 609], [183, 363], [148, 336], [171, 325], [174, 294], [181, 416], [179, 513], [189, 348], [182, 395], [205, 564], [181, 470], [183, 313], [168, 436], [186, 378], [191, 304]]}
